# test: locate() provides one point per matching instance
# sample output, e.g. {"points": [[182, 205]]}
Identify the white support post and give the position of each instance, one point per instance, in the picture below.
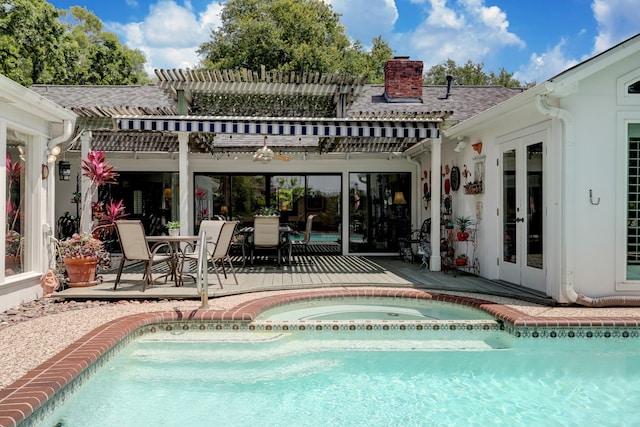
{"points": [[435, 261]]}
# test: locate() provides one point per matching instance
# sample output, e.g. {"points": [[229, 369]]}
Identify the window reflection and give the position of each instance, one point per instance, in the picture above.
{"points": [[295, 196], [15, 231], [378, 211]]}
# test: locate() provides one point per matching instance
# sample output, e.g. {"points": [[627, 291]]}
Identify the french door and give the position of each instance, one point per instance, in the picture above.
{"points": [[522, 215]]}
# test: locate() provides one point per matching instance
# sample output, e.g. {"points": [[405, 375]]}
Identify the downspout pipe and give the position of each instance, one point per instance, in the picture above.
{"points": [[67, 131], [568, 240], [567, 283]]}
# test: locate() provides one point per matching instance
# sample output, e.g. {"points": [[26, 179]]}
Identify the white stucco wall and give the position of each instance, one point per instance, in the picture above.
{"points": [[584, 243]]}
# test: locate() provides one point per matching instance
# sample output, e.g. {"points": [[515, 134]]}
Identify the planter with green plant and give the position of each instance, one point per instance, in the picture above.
{"points": [[267, 211], [463, 223], [173, 228]]}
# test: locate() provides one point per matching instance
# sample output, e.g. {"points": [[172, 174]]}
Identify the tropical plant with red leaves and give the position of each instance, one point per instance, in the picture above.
{"points": [[14, 172], [106, 217], [99, 172]]}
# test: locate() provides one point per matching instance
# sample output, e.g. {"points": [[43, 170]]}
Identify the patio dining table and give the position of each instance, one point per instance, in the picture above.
{"points": [[175, 253]]}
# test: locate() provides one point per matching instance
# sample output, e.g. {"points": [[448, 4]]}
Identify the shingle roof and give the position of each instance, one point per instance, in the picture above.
{"points": [[99, 103], [462, 103], [107, 101]]}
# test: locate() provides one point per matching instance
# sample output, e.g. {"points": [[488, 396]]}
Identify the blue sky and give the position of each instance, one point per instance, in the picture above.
{"points": [[535, 39]]}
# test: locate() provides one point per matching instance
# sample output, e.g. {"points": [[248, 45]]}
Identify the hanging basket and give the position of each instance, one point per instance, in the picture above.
{"points": [[81, 271]]}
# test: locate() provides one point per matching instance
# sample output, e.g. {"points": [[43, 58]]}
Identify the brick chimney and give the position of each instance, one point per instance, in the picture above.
{"points": [[403, 80]]}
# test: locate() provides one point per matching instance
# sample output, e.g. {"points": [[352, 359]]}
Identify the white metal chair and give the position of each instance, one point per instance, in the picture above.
{"points": [[136, 248]]}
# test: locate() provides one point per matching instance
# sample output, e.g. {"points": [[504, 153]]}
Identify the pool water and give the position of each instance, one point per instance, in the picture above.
{"points": [[269, 379], [372, 309]]}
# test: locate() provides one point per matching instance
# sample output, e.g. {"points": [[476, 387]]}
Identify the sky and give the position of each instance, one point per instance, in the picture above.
{"points": [[534, 39]]}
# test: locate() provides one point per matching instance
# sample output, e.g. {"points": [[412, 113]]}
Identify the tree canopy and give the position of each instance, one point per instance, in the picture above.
{"points": [[469, 74], [43, 45], [289, 35]]}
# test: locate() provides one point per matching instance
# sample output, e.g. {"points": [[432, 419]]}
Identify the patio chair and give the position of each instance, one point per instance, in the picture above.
{"points": [[136, 248], [266, 235], [307, 236], [218, 251]]}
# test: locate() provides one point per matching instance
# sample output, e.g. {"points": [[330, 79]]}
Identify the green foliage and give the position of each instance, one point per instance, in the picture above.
{"points": [[263, 105], [469, 74], [43, 45], [289, 35]]}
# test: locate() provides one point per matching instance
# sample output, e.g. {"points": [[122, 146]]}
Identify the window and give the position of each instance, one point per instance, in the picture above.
{"points": [[15, 229], [633, 203]]}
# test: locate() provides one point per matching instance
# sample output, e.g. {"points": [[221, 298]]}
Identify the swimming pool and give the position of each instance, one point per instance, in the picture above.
{"points": [[597, 358], [205, 378]]}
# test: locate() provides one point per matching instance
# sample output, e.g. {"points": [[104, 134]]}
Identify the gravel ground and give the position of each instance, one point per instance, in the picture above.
{"points": [[36, 331]]}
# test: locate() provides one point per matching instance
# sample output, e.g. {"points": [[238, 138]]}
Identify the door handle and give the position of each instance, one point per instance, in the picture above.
{"points": [[519, 219]]}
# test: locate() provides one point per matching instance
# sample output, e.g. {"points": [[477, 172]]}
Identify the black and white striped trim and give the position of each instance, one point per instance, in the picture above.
{"points": [[321, 128]]}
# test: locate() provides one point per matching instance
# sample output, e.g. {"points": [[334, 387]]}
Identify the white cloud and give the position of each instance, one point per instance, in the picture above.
{"points": [[617, 20], [170, 34], [466, 30], [366, 19], [542, 67]]}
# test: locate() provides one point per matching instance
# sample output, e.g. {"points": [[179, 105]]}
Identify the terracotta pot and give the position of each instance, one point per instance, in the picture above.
{"points": [[462, 236], [12, 263], [81, 271], [461, 262]]}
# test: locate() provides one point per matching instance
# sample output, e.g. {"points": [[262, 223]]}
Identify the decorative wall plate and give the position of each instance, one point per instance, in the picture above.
{"points": [[455, 178]]}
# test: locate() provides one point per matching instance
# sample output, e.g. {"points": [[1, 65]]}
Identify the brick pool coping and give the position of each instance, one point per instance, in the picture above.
{"points": [[26, 395]]}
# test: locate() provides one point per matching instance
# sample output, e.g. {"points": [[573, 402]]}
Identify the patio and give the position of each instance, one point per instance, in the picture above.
{"points": [[309, 271]]}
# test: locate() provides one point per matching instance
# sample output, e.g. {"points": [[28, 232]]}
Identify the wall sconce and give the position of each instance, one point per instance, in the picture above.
{"points": [[52, 154], [64, 170], [398, 198], [461, 146]]}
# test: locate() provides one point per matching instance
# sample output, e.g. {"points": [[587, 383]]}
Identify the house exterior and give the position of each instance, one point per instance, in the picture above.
{"points": [[560, 206], [338, 148], [548, 175], [31, 127]]}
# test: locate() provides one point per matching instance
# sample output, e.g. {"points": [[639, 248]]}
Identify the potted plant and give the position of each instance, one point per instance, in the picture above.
{"points": [[267, 211], [174, 228], [461, 260], [463, 222], [84, 252]]}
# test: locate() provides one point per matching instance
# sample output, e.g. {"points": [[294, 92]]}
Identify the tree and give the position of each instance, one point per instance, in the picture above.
{"points": [[99, 57], [29, 41], [38, 46], [288, 35], [470, 74]]}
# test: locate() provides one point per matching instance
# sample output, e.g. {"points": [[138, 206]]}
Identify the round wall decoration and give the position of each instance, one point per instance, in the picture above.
{"points": [[455, 178]]}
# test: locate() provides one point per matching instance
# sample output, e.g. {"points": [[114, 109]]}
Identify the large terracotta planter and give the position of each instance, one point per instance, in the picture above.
{"points": [[81, 271]]}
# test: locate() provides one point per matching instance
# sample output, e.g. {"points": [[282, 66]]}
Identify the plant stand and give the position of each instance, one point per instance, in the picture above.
{"points": [[467, 247]]}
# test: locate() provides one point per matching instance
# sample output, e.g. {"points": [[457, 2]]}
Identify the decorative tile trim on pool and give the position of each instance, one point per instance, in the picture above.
{"points": [[57, 377]]}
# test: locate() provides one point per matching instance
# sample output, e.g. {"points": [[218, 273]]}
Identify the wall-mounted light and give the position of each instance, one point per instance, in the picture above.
{"points": [[64, 170], [461, 145], [52, 154]]}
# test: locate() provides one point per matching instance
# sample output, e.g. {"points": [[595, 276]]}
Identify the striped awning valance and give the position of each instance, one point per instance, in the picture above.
{"points": [[419, 129]]}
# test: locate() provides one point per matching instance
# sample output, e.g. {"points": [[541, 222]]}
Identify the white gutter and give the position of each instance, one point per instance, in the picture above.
{"points": [[568, 240], [67, 131]]}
